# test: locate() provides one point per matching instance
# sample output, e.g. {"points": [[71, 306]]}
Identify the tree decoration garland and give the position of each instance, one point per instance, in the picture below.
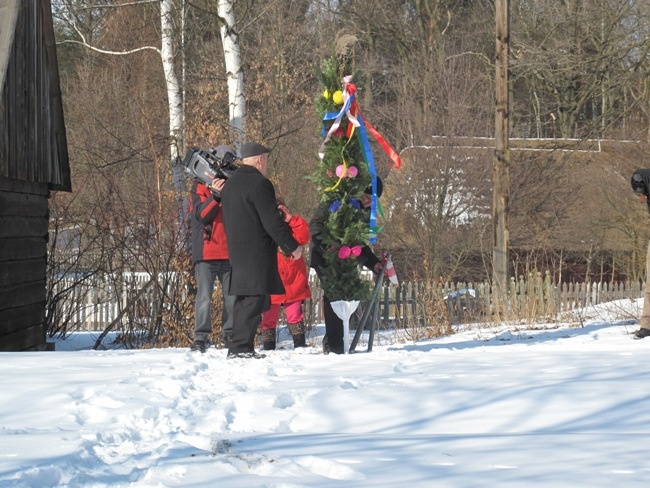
{"points": [[345, 170]]}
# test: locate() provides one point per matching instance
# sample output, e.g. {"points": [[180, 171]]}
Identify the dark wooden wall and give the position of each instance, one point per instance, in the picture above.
{"points": [[23, 257], [33, 144], [33, 162]]}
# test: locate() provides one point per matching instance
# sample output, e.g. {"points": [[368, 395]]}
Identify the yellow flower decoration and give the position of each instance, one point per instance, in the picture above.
{"points": [[337, 97], [326, 94]]}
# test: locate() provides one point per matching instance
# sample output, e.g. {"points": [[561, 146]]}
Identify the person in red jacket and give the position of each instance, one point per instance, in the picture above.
{"points": [[293, 273], [210, 255]]}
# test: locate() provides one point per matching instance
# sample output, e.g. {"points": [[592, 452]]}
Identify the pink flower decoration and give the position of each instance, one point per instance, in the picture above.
{"points": [[356, 251], [329, 173], [344, 252], [352, 171], [340, 171]]}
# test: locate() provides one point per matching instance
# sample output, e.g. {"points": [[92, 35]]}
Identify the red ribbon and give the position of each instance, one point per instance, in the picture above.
{"points": [[354, 109]]}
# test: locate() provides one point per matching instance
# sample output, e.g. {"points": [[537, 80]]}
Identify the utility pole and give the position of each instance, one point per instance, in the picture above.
{"points": [[501, 162]]}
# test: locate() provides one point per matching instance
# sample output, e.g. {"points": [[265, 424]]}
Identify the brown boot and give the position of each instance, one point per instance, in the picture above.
{"points": [[298, 333], [268, 339]]}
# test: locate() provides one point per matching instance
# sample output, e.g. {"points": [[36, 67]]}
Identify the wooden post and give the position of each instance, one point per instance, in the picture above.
{"points": [[501, 162]]}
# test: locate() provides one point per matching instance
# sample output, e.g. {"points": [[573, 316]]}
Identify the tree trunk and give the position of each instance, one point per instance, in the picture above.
{"points": [[234, 73], [175, 102]]}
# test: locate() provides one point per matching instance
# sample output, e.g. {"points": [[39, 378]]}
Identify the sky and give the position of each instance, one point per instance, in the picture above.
{"points": [[563, 404]]}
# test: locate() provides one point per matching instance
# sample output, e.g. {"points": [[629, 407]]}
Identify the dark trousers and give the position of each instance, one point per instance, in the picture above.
{"points": [[247, 315], [205, 273], [333, 327]]}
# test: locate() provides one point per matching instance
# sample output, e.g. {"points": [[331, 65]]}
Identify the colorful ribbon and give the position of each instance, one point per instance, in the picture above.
{"points": [[351, 109]]}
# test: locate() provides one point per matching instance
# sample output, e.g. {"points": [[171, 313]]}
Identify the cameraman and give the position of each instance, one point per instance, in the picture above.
{"points": [[641, 184], [210, 254]]}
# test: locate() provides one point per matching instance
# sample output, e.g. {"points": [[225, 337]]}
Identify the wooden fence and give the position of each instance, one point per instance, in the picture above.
{"points": [[94, 306]]}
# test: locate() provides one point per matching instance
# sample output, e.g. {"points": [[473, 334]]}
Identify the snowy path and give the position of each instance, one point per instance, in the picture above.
{"points": [[554, 409]]}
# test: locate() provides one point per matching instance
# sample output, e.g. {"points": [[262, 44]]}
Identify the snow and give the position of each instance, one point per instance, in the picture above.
{"points": [[557, 404]]}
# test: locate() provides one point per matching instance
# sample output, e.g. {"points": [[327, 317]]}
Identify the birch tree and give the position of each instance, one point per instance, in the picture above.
{"points": [[234, 72], [70, 11]]}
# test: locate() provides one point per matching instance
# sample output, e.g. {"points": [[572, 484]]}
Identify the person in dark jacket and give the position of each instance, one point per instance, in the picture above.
{"points": [[641, 184], [210, 256], [254, 231], [333, 339]]}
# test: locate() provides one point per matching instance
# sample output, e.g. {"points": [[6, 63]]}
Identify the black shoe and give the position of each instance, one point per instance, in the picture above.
{"points": [[224, 341], [245, 355], [327, 348], [642, 333], [326, 345], [198, 345]]}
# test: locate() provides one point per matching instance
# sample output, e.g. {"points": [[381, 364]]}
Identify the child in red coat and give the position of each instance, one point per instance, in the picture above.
{"points": [[293, 273]]}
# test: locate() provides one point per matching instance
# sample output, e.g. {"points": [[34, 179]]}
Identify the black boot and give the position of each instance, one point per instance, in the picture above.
{"points": [[299, 340], [268, 339], [298, 333], [642, 333]]}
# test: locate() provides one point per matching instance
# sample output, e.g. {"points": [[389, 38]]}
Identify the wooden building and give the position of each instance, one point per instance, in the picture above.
{"points": [[33, 162]]}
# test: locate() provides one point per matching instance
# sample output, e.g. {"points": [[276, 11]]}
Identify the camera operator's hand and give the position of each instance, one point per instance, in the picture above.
{"points": [[216, 186]]}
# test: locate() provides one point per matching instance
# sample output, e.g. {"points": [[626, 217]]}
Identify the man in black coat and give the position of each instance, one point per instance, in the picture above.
{"points": [[254, 231]]}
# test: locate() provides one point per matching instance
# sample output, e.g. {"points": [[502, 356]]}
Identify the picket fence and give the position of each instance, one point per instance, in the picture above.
{"points": [[93, 306]]}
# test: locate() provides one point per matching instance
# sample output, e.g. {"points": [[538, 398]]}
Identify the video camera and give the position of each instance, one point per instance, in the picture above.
{"points": [[208, 165], [640, 181]]}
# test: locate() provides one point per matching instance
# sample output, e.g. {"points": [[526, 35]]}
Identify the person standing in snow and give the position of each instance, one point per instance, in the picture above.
{"points": [[254, 231], [333, 340], [210, 254], [641, 185], [293, 273]]}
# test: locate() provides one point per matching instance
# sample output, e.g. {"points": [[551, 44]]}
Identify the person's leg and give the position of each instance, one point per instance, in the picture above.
{"points": [[295, 316], [271, 316], [228, 301], [247, 314], [644, 331], [269, 325], [294, 312], [333, 329], [204, 286]]}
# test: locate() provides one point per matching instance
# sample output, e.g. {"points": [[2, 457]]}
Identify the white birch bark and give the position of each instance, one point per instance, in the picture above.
{"points": [[234, 73], [175, 102], [174, 97]]}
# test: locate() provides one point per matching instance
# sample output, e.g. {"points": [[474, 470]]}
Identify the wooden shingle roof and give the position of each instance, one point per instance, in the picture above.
{"points": [[33, 145]]}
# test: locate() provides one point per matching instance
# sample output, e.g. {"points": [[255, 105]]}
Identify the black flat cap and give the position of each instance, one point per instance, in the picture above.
{"points": [[251, 149]]}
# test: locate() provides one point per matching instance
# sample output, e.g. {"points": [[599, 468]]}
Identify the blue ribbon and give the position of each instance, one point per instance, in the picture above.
{"points": [[370, 160], [336, 115], [328, 116]]}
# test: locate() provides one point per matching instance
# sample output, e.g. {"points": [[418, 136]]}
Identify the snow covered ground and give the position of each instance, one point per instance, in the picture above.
{"points": [[561, 405]]}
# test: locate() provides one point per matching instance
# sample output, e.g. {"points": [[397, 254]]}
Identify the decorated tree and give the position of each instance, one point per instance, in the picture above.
{"points": [[345, 171]]}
